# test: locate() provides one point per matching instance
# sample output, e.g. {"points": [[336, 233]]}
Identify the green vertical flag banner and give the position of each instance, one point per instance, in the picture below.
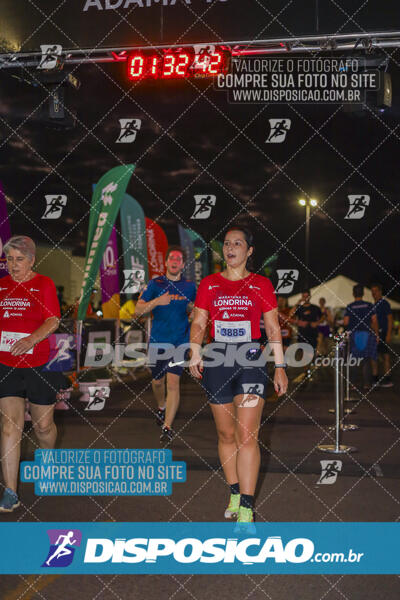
{"points": [[200, 255], [106, 202], [269, 265], [217, 256], [186, 242], [134, 246]]}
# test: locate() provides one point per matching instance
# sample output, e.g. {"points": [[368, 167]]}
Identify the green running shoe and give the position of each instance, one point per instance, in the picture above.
{"points": [[245, 521], [233, 507]]}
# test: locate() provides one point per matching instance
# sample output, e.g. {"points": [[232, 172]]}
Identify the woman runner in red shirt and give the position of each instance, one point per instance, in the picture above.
{"points": [[29, 313], [233, 301]]}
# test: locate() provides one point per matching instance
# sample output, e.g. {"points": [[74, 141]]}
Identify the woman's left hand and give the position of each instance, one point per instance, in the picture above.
{"points": [[22, 346], [280, 381]]}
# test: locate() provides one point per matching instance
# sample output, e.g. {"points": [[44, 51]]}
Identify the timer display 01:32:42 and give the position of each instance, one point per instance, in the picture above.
{"points": [[177, 64]]}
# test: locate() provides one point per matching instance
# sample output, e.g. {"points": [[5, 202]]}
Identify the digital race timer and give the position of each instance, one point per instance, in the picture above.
{"points": [[173, 64]]}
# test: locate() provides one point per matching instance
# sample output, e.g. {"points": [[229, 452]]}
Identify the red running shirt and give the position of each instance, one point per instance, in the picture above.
{"points": [[23, 308], [239, 302]]}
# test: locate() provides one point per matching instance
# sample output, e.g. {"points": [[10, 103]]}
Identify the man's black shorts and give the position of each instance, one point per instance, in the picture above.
{"points": [[162, 367], [307, 336], [38, 386], [174, 364]]}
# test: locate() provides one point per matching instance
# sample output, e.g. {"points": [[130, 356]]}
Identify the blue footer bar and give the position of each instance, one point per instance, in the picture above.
{"points": [[196, 548]]}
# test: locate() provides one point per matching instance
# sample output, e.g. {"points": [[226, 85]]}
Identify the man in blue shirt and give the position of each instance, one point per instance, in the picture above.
{"points": [[360, 319], [385, 322], [169, 298]]}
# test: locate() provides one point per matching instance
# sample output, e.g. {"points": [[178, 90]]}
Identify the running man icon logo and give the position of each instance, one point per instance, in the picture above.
{"points": [[64, 346], [357, 207], [63, 543], [129, 129], [252, 393], [50, 56], [279, 129], [54, 206], [329, 471], [202, 54], [107, 192], [287, 279], [97, 397], [134, 278], [203, 206]]}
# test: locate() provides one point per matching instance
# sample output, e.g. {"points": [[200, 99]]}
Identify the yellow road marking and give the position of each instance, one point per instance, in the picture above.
{"points": [[299, 378], [28, 588], [273, 398]]}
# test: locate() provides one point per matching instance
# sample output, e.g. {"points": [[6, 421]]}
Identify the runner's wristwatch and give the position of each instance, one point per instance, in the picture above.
{"points": [[281, 366]]}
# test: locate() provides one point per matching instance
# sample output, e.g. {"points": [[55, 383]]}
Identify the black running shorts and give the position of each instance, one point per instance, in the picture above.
{"points": [[223, 382], [40, 387]]}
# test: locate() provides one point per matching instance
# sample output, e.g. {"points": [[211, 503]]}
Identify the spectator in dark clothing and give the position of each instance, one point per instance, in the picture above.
{"points": [[307, 318], [385, 323], [361, 321]]}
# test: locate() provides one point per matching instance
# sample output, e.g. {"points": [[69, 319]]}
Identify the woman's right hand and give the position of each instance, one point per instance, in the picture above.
{"points": [[196, 366]]}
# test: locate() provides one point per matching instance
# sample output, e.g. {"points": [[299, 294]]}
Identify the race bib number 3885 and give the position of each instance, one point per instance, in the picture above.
{"points": [[237, 331]]}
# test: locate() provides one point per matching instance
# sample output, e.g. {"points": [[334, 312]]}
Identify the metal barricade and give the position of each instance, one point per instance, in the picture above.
{"points": [[338, 447], [348, 397]]}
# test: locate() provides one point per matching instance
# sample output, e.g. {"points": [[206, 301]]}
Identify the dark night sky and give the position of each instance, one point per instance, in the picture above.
{"points": [[193, 141]]}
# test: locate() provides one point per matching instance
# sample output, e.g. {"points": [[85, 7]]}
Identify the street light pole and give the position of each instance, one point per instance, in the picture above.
{"points": [[308, 203], [307, 256]]}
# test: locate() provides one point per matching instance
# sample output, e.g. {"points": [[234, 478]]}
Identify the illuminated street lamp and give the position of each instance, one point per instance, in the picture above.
{"points": [[308, 203]]}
